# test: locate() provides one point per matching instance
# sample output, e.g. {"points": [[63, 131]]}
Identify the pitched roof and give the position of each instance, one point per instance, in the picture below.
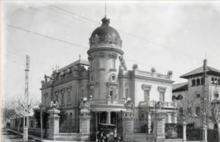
{"points": [[199, 71], [180, 87]]}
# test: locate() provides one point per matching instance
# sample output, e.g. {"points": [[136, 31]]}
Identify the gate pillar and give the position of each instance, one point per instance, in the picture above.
{"points": [[53, 123], [159, 126]]}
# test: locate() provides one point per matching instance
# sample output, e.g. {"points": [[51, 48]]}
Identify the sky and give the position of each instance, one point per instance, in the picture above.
{"points": [[174, 36]]}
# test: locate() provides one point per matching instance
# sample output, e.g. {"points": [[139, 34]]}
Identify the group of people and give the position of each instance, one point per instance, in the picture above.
{"points": [[103, 137]]}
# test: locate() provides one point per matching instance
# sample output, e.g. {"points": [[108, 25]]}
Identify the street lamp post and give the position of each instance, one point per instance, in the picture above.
{"points": [[41, 106]]}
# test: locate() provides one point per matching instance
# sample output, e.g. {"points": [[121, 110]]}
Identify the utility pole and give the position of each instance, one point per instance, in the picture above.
{"points": [[204, 103], [26, 109]]}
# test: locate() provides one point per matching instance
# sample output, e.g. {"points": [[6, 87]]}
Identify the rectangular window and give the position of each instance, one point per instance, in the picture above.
{"points": [[162, 97], [197, 110], [126, 93], [114, 64], [198, 95], [146, 95], [62, 101], [111, 93], [91, 91]]}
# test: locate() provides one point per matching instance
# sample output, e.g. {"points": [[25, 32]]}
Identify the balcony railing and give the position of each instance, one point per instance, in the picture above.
{"points": [[109, 102], [152, 104]]}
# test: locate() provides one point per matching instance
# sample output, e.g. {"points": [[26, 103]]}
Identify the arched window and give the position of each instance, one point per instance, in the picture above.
{"points": [[103, 117], [198, 81], [193, 82], [71, 114], [202, 81]]}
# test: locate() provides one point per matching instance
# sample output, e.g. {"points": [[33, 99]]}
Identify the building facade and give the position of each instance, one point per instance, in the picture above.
{"points": [[105, 80], [192, 93]]}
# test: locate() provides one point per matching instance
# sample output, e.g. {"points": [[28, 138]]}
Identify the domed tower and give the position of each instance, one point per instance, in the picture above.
{"points": [[105, 57]]}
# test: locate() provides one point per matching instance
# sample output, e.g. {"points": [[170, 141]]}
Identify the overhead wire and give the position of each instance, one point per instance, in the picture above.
{"points": [[88, 20], [129, 34]]}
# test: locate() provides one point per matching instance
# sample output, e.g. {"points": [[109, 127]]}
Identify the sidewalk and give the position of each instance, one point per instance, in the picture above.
{"points": [[35, 137], [29, 136]]}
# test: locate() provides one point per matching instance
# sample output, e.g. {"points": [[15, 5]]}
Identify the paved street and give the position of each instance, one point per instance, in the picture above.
{"points": [[11, 137]]}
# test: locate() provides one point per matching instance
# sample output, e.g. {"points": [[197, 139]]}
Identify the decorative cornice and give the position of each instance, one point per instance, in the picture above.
{"points": [[105, 49], [68, 89], [146, 87], [101, 55], [112, 83], [127, 84], [62, 91], [57, 92], [113, 70], [153, 79], [162, 89]]}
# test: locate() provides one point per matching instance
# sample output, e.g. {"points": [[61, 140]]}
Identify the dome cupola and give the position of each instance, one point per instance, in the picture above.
{"points": [[104, 36]]}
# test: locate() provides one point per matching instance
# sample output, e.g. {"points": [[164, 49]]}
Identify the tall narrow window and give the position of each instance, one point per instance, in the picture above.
{"points": [[146, 95], [197, 110], [193, 82], [57, 98], [62, 98], [91, 91], [126, 93], [111, 94], [162, 97], [114, 64], [69, 98]]}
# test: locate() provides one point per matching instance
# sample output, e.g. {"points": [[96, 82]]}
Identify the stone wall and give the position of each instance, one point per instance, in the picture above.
{"points": [[71, 137]]}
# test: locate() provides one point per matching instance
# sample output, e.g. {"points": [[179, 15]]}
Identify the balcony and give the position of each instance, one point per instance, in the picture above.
{"points": [[107, 102], [145, 104]]}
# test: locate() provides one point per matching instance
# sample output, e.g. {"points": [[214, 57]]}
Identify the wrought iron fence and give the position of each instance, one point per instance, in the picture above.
{"points": [[70, 125], [141, 126]]}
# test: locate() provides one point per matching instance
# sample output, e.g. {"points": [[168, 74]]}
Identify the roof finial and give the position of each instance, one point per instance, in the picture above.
{"points": [[105, 9], [79, 57]]}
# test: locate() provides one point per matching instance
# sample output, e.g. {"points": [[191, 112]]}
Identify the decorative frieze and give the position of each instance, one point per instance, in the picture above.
{"points": [[106, 39], [101, 55], [113, 55]]}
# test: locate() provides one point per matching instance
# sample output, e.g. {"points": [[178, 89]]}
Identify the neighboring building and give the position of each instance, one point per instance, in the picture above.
{"points": [[106, 80], [192, 93]]}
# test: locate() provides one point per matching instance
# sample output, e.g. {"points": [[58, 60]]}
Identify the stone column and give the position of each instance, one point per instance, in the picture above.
{"points": [[108, 117], [149, 123], [184, 131], [128, 125], [53, 123], [169, 118], [159, 128]]}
